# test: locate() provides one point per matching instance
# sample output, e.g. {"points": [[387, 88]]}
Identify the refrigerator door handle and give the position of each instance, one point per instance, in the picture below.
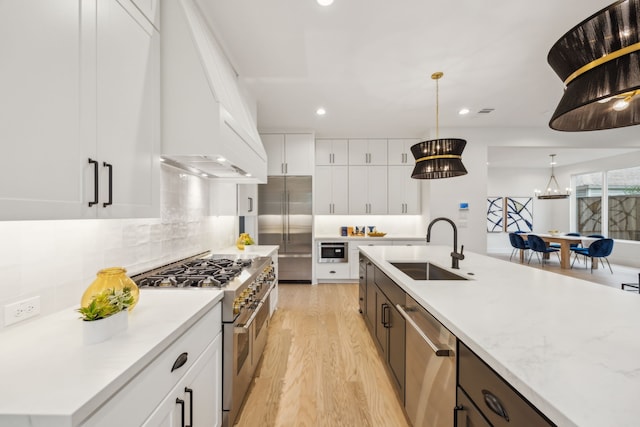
{"points": [[288, 219], [282, 216]]}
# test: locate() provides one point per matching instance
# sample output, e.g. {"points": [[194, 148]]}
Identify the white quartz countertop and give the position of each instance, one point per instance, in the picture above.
{"points": [[47, 371], [335, 238], [248, 251], [570, 346]]}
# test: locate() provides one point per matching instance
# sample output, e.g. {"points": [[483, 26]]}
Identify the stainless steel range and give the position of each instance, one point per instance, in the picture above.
{"points": [[246, 284]]}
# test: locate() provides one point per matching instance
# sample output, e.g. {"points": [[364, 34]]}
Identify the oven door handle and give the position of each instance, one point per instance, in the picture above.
{"points": [[245, 328]]}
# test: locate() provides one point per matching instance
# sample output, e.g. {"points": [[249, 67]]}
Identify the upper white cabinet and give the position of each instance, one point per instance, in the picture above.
{"points": [[367, 190], [248, 199], [331, 196], [128, 110], [332, 152], [399, 151], [367, 152], [404, 191], [289, 154], [79, 81]]}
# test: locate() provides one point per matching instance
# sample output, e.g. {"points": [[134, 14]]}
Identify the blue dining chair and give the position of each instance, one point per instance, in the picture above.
{"points": [[538, 246], [600, 248], [518, 243]]}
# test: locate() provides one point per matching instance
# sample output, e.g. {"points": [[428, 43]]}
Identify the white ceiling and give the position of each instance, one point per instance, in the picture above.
{"points": [[369, 62]]}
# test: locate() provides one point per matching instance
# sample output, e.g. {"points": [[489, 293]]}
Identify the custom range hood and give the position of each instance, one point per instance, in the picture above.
{"points": [[207, 127]]}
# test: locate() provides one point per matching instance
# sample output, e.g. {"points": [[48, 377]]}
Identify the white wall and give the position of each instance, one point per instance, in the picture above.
{"points": [[57, 260]]}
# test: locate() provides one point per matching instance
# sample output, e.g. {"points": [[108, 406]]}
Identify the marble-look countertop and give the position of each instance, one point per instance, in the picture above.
{"points": [[335, 238], [248, 251], [570, 346], [49, 376]]}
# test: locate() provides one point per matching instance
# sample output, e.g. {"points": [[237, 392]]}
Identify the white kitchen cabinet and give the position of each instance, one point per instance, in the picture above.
{"points": [[332, 271], [367, 152], [331, 152], [164, 379], [83, 84], [331, 195], [197, 399], [399, 151], [289, 154], [404, 191], [248, 199], [222, 198], [128, 110], [367, 190]]}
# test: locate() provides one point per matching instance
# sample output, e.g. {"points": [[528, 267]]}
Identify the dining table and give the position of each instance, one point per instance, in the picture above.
{"points": [[565, 246]]}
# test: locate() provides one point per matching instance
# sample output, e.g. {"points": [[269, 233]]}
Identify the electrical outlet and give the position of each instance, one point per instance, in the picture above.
{"points": [[21, 310]]}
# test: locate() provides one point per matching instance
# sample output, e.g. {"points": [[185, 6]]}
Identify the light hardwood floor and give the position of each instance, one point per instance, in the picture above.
{"points": [[320, 366]]}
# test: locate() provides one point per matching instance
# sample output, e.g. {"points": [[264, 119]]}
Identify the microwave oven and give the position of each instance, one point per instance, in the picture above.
{"points": [[333, 252]]}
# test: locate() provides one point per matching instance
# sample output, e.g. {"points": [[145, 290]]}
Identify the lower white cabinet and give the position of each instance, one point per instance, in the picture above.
{"points": [[192, 362], [197, 399], [332, 271]]}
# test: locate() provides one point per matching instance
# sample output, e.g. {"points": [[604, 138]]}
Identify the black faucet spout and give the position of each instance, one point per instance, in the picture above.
{"points": [[455, 256]]}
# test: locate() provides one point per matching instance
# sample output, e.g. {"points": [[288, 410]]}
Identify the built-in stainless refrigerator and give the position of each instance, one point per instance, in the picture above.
{"points": [[285, 218]]}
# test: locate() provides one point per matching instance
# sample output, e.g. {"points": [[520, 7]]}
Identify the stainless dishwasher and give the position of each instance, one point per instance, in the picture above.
{"points": [[430, 379]]}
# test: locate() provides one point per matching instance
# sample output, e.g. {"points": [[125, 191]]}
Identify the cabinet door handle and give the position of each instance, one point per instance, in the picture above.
{"points": [[494, 404], [250, 204], [181, 403], [385, 315], [110, 201], [286, 168], [95, 182], [460, 417], [180, 361], [189, 391]]}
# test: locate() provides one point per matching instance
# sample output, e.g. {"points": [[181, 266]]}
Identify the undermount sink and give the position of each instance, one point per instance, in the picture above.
{"points": [[426, 271]]}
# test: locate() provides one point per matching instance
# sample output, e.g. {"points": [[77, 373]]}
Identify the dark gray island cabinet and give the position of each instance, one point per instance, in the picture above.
{"points": [[437, 378]]}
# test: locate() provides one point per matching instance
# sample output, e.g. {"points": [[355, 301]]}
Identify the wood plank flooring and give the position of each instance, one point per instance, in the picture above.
{"points": [[320, 366]]}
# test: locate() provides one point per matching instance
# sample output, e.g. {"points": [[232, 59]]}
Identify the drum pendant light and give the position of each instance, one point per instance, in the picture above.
{"points": [[438, 158], [599, 62]]}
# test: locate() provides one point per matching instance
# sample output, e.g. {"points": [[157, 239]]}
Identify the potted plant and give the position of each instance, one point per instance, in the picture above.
{"points": [[106, 314]]}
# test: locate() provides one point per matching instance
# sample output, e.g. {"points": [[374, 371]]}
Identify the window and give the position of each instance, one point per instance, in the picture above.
{"points": [[623, 199], [588, 193]]}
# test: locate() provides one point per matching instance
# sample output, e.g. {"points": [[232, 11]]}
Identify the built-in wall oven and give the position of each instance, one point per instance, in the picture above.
{"points": [[333, 252]]}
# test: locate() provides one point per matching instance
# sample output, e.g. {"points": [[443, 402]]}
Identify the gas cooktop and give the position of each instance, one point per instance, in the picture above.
{"points": [[199, 272]]}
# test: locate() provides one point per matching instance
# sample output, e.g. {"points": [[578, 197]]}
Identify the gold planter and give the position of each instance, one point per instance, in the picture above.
{"points": [[110, 278]]}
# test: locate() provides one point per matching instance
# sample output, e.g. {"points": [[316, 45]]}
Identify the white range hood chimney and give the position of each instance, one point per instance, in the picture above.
{"points": [[205, 117]]}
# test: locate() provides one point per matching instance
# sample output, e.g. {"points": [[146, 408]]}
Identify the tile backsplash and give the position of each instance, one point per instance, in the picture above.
{"points": [[58, 259]]}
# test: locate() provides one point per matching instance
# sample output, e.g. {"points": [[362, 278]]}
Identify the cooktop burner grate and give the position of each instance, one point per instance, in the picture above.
{"points": [[202, 273]]}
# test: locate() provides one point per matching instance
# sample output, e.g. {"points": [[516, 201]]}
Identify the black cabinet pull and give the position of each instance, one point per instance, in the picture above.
{"points": [[110, 167], [181, 360], [385, 315], [190, 392], [457, 411], [494, 404], [181, 403], [95, 182], [250, 204]]}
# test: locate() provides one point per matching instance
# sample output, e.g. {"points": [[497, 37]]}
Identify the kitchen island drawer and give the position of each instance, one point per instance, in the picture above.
{"points": [[494, 397], [134, 402]]}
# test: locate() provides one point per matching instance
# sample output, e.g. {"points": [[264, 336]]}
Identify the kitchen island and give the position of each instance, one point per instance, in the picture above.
{"points": [[568, 346]]}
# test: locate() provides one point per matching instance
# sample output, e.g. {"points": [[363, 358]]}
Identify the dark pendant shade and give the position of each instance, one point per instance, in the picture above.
{"points": [[438, 158], [599, 60]]}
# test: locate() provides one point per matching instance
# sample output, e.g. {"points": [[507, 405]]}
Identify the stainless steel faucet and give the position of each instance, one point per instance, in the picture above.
{"points": [[455, 256]]}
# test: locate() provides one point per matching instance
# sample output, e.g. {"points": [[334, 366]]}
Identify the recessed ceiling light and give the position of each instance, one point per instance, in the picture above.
{"points": [[324, 2], [221, 159], [204, 175], [321, 111], [463, 111], [247, 174]]}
